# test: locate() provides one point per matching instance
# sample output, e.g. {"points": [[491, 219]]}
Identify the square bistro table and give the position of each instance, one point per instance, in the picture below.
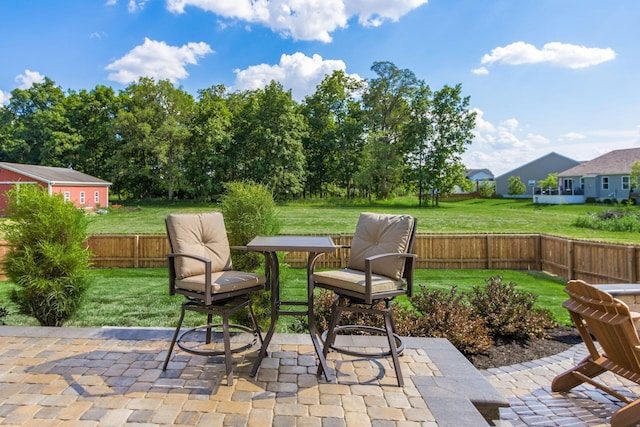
{"points": [[315, 246]]}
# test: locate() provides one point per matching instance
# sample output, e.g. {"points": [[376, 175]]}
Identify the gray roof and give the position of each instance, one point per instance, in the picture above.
{"points": [[472, 172], [54, 176], [617, 162]]}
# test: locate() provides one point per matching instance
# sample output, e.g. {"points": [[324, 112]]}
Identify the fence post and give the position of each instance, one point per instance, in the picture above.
{"points": [[538, 252], [136, 250], [489, 254], [631, 264], [570, 275]]}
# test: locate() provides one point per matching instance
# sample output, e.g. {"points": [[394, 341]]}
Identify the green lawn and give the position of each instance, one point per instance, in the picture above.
{"points": [[140, 297], [469, 216]]}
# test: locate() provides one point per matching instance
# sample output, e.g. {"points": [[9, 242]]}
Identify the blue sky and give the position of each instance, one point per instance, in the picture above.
{"points": [[543, 75]]}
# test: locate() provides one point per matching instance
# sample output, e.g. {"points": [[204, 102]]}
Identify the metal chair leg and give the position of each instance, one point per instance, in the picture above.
{"points": [[389, 325], [228, 362], [336, 315], [174, 339]]}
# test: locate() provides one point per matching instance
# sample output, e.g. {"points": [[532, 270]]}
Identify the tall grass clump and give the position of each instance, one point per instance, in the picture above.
{"points": [[625, 220], [47, 261]]}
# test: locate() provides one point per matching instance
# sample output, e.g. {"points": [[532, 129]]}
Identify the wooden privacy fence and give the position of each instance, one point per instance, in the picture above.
{"points": [[568, 258]]}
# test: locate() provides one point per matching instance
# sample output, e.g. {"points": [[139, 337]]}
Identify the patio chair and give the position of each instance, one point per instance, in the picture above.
{"points": [[200, 268], [596, 314], [380, 268]]}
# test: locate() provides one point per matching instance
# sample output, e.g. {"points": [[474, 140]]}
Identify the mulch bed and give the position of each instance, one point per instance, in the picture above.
{"points": [[506, 353]]}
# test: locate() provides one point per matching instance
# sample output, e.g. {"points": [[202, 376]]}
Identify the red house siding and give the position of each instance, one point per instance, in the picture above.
{"points": [[9, 178], [75, 195]]}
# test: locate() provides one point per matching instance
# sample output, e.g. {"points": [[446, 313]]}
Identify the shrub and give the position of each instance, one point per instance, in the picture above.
{"points": [[470, 321], [444, 315], [626, 220], [509, 313], [3, 313], [249, 211], [486, 188], [48, 260]]}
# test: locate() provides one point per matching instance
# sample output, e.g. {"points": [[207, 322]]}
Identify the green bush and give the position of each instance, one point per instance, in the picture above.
{"points": [[624, 220], [509, 313], [48, 260], [470, 321], [3, 313], [249, 211], [444, 315]]}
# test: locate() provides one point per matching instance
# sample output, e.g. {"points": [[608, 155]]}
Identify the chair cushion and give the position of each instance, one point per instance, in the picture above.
{"points": [[381, 234], [222, 281], [354, 280], [201, 234]]}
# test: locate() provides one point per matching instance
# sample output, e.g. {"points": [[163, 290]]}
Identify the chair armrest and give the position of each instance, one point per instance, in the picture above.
{"points": [[207, 276], [196, 257], [408, 269]]}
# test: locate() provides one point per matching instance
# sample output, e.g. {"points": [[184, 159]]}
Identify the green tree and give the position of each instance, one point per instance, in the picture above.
{"points": [[39, 131], [551, 181], [420, 133], [267, 143], [486, 188], [387, 110], [91, 114], [453, 124], [152, 128], [334, 143], [208, 159], [47, 261], [516, 186]]}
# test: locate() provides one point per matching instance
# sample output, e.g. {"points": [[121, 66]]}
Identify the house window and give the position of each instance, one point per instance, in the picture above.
{"points": [[625, 183], [67, 196], [605, 182], [567, 183], [582, 183], [96, 197], [82, 197]]}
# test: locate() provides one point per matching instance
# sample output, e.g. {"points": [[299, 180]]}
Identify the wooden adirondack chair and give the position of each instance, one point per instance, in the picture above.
{"points": [[596, 313]]}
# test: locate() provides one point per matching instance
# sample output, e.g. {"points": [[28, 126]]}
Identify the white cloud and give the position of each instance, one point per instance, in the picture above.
{"points": [[481, 71], [303, 20], [28, 78], [157, 60], [4, 97], [555, 53], [372, 13], [506, 146], [297, 72], [136, 5], [132, 5], [572, 136]]}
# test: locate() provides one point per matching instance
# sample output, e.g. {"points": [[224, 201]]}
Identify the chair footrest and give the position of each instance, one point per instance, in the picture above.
{"points": [[364, 328], [198, 346]]}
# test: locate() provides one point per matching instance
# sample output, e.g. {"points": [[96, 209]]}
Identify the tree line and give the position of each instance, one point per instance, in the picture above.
{"points": [[375, 138]]}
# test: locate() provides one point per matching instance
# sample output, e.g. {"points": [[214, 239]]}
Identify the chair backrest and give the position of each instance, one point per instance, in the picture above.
{"points": [[382, 234], [200, 234], [608, 319]]}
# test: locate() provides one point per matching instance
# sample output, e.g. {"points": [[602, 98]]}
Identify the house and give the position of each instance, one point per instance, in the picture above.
{"points": [[476, 176], [533, 172], [604, 178], [85, 191]]}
